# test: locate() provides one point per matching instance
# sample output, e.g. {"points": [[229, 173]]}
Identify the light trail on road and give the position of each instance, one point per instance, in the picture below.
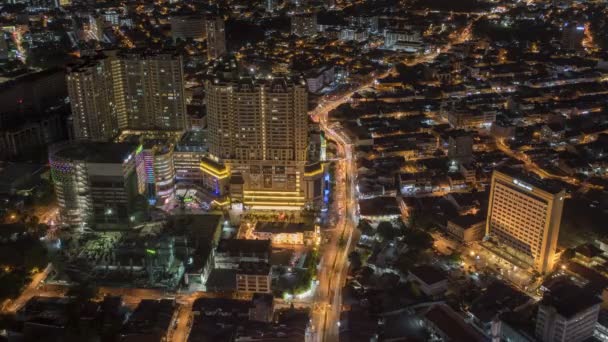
{"points": [[332, 274]]}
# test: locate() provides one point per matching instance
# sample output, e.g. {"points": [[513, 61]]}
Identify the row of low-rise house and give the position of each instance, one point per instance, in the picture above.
{"points": [[156, 320], [499, 313]]}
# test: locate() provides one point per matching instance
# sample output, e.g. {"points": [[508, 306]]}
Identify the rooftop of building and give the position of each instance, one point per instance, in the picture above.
{"points": [[497, 297], [160, 144], [242, 247], [379, 206], [569, 299], [150, 317], [254, 268], [44, 306], [237, 178], [545, 185], [313, 167], [291, 325], [522, 321], [192, 141], [451, 324], [95, 152], [212, 305], [588, 250], [282, 227], [199, 227], [467, 221], [214, 164], [456, 133], [263, 298], [221, 280]]}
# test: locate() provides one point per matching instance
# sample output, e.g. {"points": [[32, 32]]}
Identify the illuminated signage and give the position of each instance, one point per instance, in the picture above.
{"points": [[522, 185]]}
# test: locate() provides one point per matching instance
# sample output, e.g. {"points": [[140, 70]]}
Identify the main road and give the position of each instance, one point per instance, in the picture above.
{"points": [[333, 268], [530, 165]]}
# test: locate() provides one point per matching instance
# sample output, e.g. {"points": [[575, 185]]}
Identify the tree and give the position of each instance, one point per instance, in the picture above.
{"points": [[455, 258], [420, 220], [365, 228], [414, 289], [406, 261], [386, 231], [31, 224], [418, 239], [38, 230], [35, 257], [355, 260]]}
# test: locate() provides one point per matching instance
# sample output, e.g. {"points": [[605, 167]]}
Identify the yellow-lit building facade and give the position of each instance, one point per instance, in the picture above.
{"points": [[259, 140], [525, 217]]}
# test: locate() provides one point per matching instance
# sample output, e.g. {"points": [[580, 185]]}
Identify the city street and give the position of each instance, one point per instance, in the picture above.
{"points": [[30, 291], [332, 273], [531, 166]]}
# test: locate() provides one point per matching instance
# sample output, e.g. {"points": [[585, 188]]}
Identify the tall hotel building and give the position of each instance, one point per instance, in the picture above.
{"points": [[216, 37], [116, 91], [258, 141], [525, 216]]}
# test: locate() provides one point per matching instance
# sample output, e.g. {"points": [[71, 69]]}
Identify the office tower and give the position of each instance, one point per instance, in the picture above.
{"points": [[460, 146], [184, 27], [573, 34], [304, 24], [114, 91], [525, 215], [258, 136], [567, 313], [98, 184], [216, 37]]}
